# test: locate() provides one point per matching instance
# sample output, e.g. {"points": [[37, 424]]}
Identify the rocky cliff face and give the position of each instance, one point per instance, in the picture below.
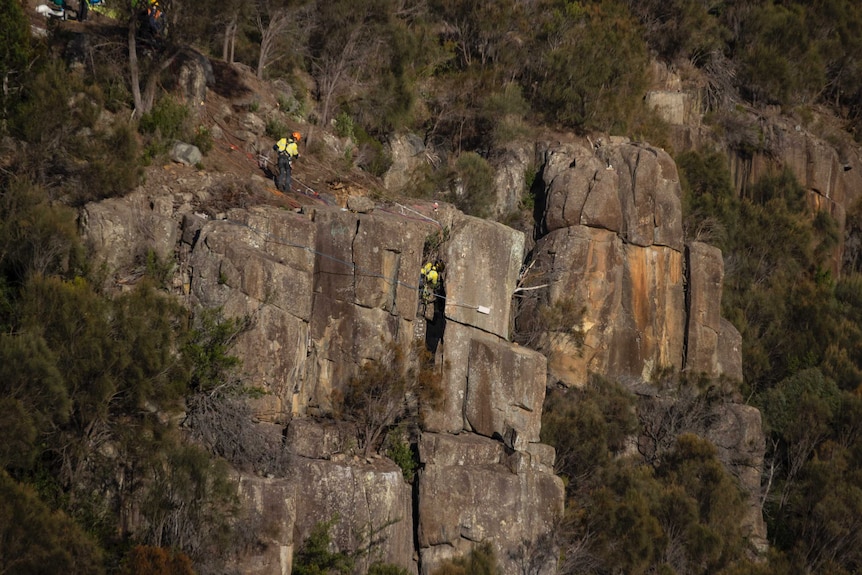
{"points": [[766, 142], [328, 288], [613, 243]]}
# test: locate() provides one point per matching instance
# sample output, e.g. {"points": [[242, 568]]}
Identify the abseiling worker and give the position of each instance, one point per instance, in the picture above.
{"points": [[430, 281]]}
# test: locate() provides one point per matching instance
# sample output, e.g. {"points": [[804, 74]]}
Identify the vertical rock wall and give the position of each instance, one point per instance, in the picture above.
{"points": [[330, 289]]}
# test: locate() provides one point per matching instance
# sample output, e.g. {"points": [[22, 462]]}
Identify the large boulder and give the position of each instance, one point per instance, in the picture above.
{"points": [[370, 506], [370, 503], [706, 273], [633, 299], [490, 386], [737, 433], [483, 260], [408, 154], [510, 173], [268, 502], [120, 231], [505, 391], [630, 189], [471, 491], [325, 291], [255, 265]]}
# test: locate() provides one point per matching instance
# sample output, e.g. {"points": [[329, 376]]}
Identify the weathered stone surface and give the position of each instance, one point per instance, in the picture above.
{"points": [[635, 306], [314, 439], [729, 351], [737, 433], [363, 497], [269, 502], [705, 276], [483, 260], [360, 204], [372, 260], [579, 190], [196, 73], [455, 359], [505, 391], [833, 177], [119, 230], [626, 188], [509, 178], [366, 498], [342, 336], [253, 123], [387, 254], [187, 154], [408, 153], [463, 504], [254, 264], [464, 449], [329, 289], [675, 107]]}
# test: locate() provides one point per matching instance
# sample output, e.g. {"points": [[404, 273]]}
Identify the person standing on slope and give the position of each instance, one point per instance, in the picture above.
{"points": [[288, 150]]}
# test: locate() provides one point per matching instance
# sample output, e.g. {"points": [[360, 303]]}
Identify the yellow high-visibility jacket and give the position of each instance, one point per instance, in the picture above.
{"points": [[287, 146]]}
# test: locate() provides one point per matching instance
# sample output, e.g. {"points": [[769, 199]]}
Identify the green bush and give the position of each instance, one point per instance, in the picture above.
{"points": [[167, 120], [594, 78], [473, 179], [587, 426], [504, 112], [314, 556], [276, 129], [386, 569], [344, 125], [372, 156], [37, 538], [203, 139], [400, 452], [480, 561], [112, 166]]}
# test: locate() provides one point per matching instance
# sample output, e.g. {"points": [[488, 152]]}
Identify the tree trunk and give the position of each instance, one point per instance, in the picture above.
{"points": [[229, 44], [153, 82], [134, 69], [269, 34]]}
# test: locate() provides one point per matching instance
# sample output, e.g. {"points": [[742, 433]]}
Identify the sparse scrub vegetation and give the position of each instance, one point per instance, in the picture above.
{"points": [[92, 384], [379, 397], [481, 560]]}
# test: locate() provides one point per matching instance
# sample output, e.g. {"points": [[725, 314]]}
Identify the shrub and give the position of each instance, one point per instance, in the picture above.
{"points": [[473, 179], [36, 538], [112, 165], [203, 139], [587, 426], [372, 157], [480, 561], [276, 129], [146, 560], [166, 120], [503, 112], [595, 76], [386, 569], [344, 125], [376, 398], [402, 453], [314, 556]]}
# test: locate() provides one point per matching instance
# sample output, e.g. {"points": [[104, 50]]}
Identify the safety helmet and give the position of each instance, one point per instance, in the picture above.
{"points": [[296, 136]]}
